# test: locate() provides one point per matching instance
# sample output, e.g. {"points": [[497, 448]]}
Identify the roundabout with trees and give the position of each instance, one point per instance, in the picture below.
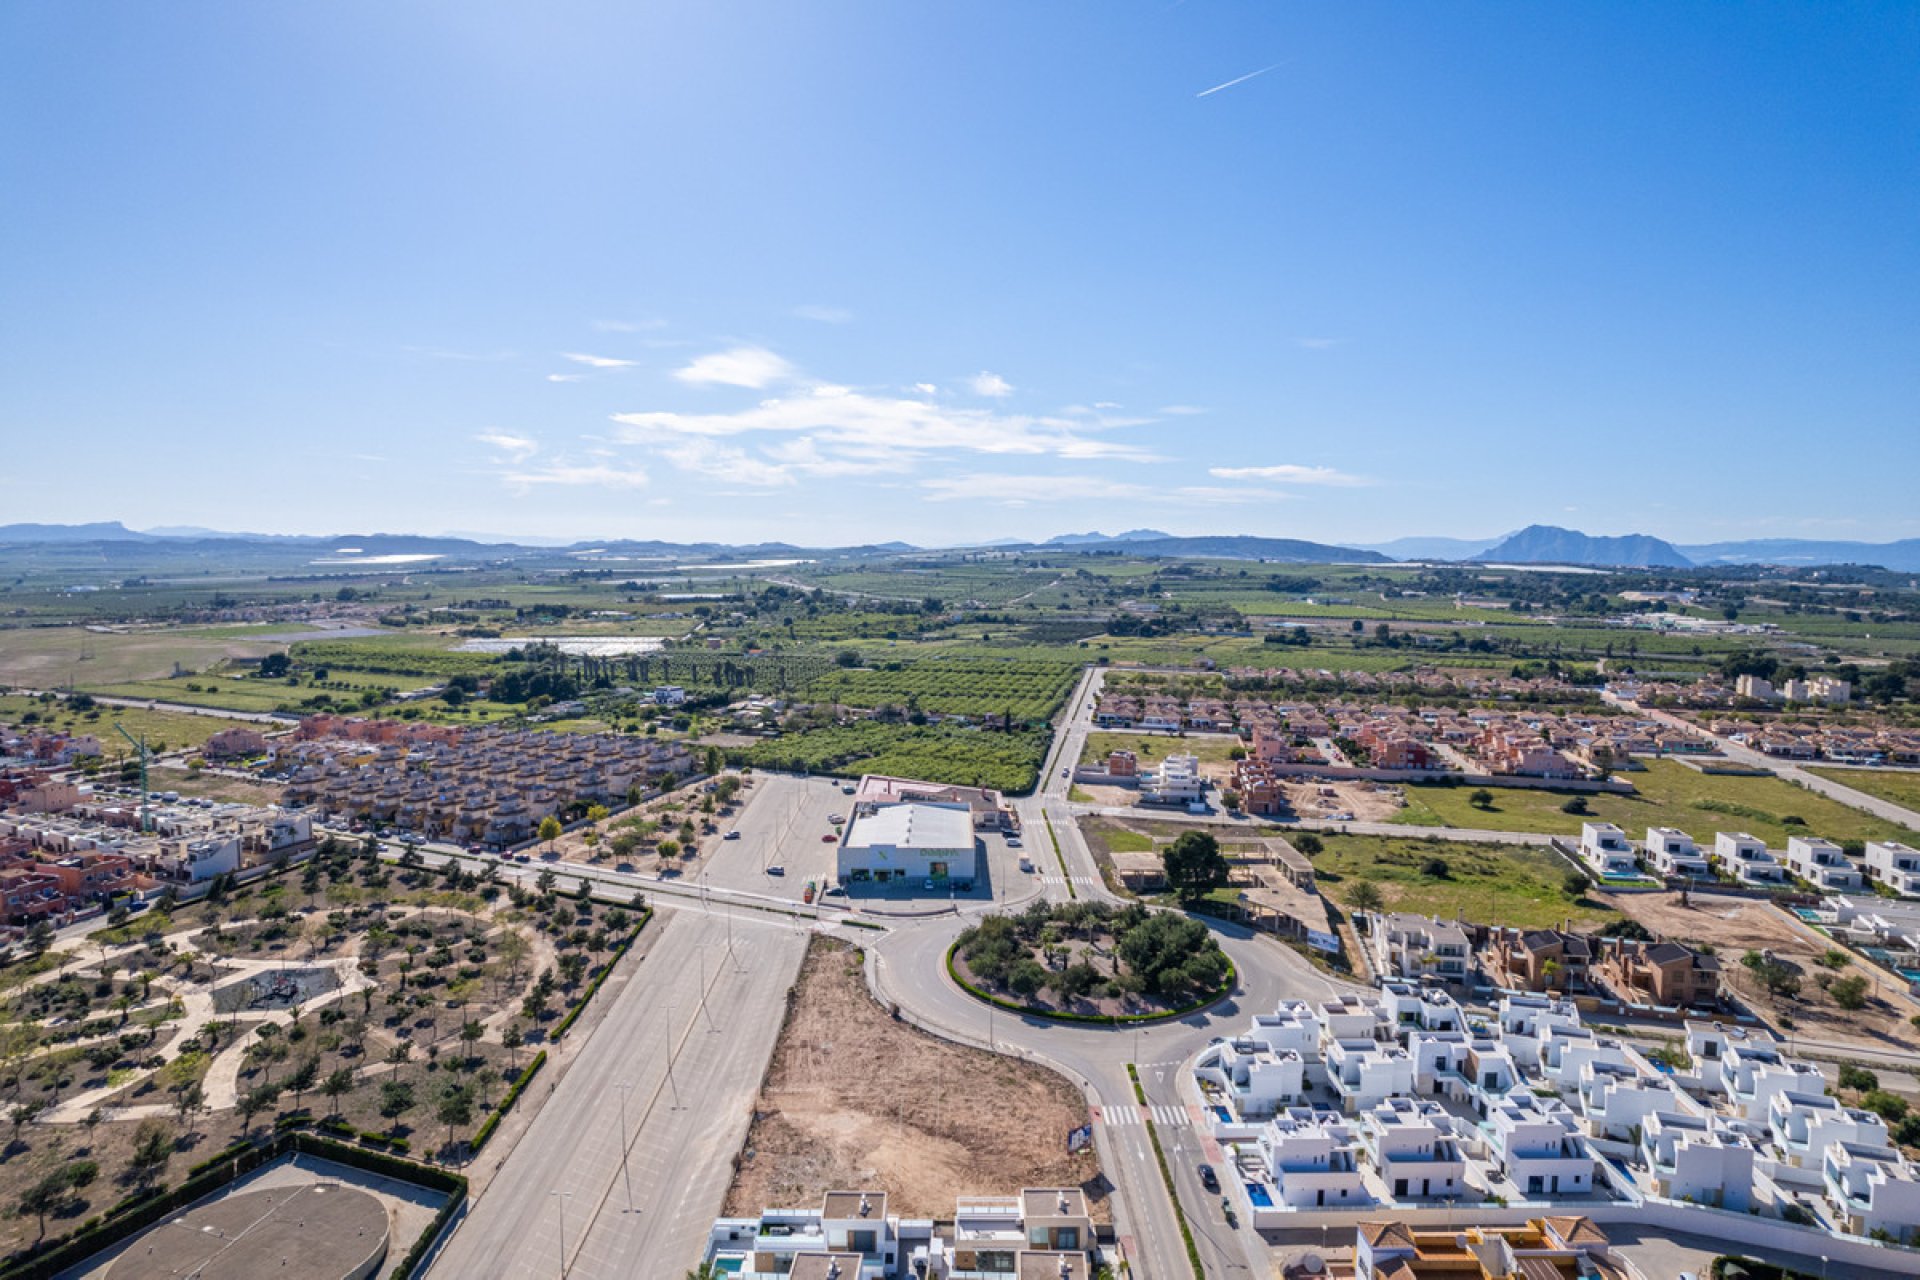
{"points": [[1088, 961]]}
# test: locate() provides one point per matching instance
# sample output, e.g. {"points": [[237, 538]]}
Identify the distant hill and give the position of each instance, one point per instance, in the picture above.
{"points": [[1902, 556], [103, 531], [1547, 544], [1232, 547], [1101, 539], [1417, 548]]}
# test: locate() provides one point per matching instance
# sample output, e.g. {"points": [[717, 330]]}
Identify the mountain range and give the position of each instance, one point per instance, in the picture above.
{"points": [[1536, 544]]}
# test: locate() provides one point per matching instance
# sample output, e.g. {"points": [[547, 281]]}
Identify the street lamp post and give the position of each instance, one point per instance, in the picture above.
{"points": [[564, 1197], [625, 1177]]}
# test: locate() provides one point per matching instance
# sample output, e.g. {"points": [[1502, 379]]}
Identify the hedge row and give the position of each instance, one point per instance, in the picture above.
{"points": [[335, 1127], [138, 1213], [506, 1104], [1094, 1019], [1166, 1176], [574, 1013]]}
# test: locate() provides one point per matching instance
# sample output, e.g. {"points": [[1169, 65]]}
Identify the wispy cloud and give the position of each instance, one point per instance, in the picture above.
{"points": [[515, 448], [1207, 93], [847, 420], [1289, 473], [596, 362], [751, 367], [991, 385], [597, 475], [565, 377], [824, 315], [1181, 410], [628, 326], [808, 428], [1018, 490], [442, 353]]}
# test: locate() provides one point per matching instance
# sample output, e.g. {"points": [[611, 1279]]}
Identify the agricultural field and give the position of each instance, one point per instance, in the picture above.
{"points": [[163, 730], [937, 753], [1524, 885], [54, 657], [1151, 748], [223, 693], [1669, 794], [1025, 690], [1900, 786]]}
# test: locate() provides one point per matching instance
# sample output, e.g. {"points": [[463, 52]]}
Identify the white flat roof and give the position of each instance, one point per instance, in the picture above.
{"points": [[913, 826]]}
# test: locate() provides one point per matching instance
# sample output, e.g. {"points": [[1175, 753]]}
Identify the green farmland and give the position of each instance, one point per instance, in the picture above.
{"points": [[1669, 794]]}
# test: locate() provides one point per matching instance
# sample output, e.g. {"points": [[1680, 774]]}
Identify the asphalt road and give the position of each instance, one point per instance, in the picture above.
{"points": [[907, 966], [558, 1206], [1734, 751]]}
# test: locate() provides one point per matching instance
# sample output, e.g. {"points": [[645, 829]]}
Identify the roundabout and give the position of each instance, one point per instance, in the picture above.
{"points": [[1083, 996]]}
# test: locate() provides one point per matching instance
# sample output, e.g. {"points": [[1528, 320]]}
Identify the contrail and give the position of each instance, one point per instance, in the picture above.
{"points": [[1229, 84]]}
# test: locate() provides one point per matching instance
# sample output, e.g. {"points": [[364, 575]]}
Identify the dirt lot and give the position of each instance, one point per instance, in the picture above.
{"points": [[1366, 801], [1737, 925], [855, 1099], [215, 786]]}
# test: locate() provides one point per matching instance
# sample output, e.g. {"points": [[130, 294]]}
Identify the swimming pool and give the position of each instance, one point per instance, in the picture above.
{"points": [[1258, 1194], [1223, 1115]]}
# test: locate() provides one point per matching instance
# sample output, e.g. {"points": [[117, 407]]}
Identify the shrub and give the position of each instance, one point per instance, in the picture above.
{"points": [[1858, 1078], [1849, 993]]}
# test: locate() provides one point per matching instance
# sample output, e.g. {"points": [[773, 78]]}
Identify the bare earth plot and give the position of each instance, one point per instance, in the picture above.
{"points": [[48, 657], [855, 1099], [1735, 926]]}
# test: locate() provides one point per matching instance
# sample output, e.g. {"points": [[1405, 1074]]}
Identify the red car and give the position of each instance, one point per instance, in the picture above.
{"points": [[829, 838]]}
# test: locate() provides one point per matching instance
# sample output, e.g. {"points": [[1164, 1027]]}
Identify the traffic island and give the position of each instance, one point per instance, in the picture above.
{"points": [[1091, 962]]}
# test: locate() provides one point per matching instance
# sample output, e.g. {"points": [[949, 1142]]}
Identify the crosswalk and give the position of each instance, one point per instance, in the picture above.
{"points": [[1125, 1116], [1082, 882]]}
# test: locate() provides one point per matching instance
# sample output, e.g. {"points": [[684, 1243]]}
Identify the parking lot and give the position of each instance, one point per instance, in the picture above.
{"points": [[786, 840]]}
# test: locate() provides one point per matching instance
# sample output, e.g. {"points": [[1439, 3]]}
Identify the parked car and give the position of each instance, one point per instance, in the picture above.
{"points": [[836, 891], [836, 818], [828, 838], [776, 870], [1013, 842], [1208, 1178], [731, 835]]}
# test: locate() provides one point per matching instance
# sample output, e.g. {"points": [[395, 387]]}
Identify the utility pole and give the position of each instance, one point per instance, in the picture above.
{"points": [[564, 1197], [146, 822], [625, 1087]]}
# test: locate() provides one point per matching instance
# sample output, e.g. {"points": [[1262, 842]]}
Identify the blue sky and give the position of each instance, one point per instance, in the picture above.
{"points": [[833, 272]]}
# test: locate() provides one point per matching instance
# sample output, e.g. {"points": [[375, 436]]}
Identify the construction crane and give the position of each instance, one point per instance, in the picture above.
{"points": [[146, 823]]}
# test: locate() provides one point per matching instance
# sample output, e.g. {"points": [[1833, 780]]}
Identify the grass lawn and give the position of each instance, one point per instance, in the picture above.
{"points": [[1152, 748], [1669, 795], [1901, 786], [1487, 884], [172, 728]]}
